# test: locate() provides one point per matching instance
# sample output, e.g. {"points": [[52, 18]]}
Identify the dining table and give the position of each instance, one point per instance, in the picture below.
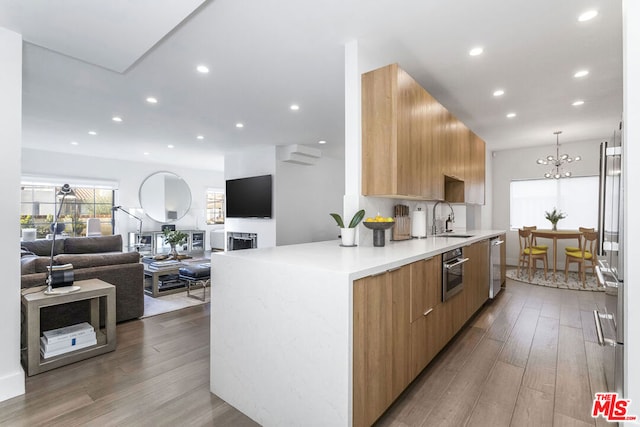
{"points": [[555, 235]]}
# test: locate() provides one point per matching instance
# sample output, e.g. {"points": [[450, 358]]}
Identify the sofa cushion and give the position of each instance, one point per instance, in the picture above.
{"points": [[34, 264], [97, 260], [42, 247], [92, 245]]}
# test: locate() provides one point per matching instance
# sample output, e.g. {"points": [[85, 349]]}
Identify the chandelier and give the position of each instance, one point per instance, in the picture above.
{"points": [[558, 162]]}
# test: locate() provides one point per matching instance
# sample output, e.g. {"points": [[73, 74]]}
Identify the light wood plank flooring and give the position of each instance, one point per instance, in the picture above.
{"points": [[530, 358]]}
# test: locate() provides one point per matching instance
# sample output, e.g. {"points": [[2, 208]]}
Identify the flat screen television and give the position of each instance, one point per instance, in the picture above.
{"points": [[249, 197]]}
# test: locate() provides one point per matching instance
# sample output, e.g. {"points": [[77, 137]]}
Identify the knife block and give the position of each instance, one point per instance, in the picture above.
{"points": [[402, 228]]}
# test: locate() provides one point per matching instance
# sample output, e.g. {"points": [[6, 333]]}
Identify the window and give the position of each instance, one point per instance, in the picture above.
{"points": [[576, 197], [39, 205], [215, 206]]}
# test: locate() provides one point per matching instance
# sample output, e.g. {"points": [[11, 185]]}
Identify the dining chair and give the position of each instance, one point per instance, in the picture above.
{"points": [[582, 256], [533, 240], [529, 254], [582, 230]]}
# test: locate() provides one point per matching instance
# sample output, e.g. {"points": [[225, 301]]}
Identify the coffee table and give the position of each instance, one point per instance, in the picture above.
{"points": [[152, 277]]}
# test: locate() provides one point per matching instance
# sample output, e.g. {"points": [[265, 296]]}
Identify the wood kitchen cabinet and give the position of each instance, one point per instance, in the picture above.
{"points": [[476, 275], [400, 324], [428, 334], [475, 170], [381, 342], [401, 123], [412, 147]]}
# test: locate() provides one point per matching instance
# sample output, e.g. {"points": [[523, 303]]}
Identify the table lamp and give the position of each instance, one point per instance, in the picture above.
{"points": [[63, 274]]}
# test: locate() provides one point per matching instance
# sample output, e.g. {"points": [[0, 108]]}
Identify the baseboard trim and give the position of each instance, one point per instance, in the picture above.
{"points": [[12, 385]]}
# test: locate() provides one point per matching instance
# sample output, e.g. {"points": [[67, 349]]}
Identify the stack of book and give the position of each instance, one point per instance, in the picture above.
{"points": [[70, 338], [169, 281], [163, 265]]}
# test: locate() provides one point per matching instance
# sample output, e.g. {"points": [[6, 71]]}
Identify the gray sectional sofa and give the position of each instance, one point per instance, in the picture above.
{"points": [[91, 257]]}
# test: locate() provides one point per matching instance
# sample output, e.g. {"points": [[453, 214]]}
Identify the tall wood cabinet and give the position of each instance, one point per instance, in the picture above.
{"points": [[412, 147], [381, 346]]}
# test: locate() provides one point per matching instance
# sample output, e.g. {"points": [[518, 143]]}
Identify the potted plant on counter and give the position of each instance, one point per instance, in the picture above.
{"points": [[554, 216], [348, 234]]}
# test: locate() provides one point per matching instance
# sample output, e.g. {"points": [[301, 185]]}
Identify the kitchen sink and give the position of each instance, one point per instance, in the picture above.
{"points": [[459, 236]]}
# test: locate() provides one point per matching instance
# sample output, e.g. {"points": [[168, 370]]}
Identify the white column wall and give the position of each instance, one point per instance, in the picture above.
{"points": [[254, 162], [631, 108], [11, 373]]}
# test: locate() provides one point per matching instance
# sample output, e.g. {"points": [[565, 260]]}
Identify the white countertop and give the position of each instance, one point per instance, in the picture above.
{"points": [[358, 261]]}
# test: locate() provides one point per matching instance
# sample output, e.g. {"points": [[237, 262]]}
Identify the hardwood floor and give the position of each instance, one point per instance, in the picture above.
{"points": [[530, 358], [158, 376]]}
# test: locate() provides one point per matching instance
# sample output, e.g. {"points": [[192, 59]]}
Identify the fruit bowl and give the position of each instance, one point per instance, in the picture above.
{"points": [[373, 225], [378, 230]]}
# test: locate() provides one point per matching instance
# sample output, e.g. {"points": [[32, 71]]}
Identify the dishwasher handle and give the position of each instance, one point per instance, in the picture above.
{"points": [[496, 242]]}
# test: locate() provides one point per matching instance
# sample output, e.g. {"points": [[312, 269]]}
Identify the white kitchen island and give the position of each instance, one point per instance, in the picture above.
{"points": [[282, 325]]}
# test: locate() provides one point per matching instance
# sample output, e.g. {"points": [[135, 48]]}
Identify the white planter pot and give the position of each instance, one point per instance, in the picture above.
{"points": [[348, 236]]}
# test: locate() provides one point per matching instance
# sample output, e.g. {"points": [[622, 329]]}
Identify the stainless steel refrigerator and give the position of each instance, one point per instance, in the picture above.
{"points": [[610, 321]]}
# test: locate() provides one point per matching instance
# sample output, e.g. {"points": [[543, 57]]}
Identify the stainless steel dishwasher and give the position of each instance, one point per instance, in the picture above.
{"points": [[495, 281]]}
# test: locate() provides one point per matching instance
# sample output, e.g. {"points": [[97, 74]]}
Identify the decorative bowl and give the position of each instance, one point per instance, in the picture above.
{"points": [[378, 230], [378, 225]]}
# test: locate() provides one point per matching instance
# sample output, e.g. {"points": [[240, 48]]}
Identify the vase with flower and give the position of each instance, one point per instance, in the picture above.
{"points": [[554, 216]]}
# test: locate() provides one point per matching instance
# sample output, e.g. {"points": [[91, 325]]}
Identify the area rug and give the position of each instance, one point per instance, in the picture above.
{"points": [[572, 282], [173, 302]]}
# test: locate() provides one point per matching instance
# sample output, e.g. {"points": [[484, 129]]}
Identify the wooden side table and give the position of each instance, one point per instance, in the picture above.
{"points": [[91, 289]]}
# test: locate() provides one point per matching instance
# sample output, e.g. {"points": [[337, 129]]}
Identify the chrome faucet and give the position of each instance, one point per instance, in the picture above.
{"points": [[450, 218]]}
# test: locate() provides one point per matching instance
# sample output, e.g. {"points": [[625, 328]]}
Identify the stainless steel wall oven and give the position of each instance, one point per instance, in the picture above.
{"points": [[452, 273]]}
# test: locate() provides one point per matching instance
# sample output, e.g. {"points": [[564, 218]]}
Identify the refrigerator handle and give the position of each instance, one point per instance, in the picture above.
{"points": [[602, 196], [601, 339]]}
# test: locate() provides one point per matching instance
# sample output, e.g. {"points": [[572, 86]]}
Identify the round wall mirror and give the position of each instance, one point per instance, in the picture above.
{"points": [[165, 197]]}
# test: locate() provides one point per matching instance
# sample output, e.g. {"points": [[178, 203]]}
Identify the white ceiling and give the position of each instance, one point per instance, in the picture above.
{"points": [[266, 55]]}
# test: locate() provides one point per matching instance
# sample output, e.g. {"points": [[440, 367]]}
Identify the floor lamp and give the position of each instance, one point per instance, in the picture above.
{"points": [[66, 272], [138, 240]]}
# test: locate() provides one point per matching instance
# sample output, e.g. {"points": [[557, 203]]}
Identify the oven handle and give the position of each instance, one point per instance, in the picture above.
{"points": [[601, 339], [458, 262]]}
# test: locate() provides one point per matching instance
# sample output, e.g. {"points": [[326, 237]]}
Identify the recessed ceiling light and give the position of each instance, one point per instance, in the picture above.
{"points": [[295, 107], [152, 100], [322, 141], [170, 146], [74, 142], [200, 137], [116, 119], [581, 73], [578, 102], [239, 125], [498, 92], [588, 15], [476, 51], [146, 153], [202, 69], [511, 115], [92, 132]]}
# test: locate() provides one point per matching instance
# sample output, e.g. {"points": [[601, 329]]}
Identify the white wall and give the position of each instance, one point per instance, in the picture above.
{"points": [[254, 162], [631, 108], [11, 373], [521, 163], [129, 176], [305, 196]]}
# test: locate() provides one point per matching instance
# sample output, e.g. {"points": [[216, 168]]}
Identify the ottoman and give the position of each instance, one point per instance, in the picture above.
{"points": [[196, 276]]}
